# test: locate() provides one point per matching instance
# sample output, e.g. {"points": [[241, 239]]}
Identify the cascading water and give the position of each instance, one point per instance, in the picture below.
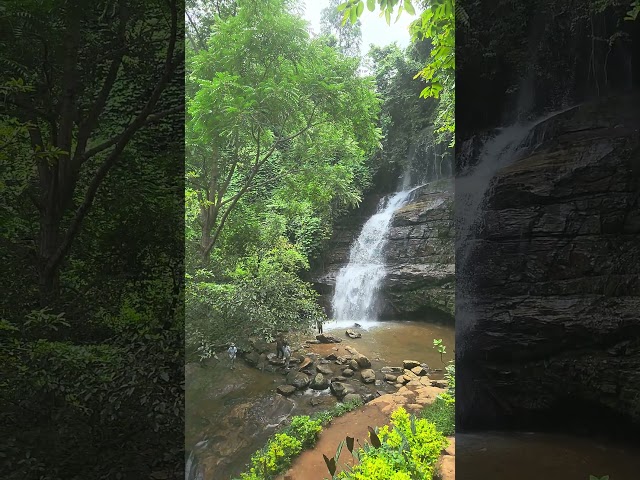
{"points": [[473, 189], [358, 282]]}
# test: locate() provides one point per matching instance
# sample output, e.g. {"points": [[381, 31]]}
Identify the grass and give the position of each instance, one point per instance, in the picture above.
{"points": [[442, 413]]}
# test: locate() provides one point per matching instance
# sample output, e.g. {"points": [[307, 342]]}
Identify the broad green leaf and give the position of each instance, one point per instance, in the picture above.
{"points": [[353, 15], [409, 7]]}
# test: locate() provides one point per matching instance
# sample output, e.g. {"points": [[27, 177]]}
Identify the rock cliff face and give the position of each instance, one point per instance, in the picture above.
{"points": [[555, 277], [419, 255]]}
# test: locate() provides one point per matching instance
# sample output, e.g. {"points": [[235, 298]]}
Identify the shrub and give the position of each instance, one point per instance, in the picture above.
{"points": [[274, 458], [442, 413], [305, 430], [408, 450]]}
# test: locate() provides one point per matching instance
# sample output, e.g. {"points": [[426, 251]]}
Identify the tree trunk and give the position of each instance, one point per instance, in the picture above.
{"points": [[205, 241], [48, 278]]}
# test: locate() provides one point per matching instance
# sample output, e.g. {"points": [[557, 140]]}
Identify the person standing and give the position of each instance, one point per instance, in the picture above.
{"points": [[319, 325], [232, 354], [280, 345], [286, 352]]}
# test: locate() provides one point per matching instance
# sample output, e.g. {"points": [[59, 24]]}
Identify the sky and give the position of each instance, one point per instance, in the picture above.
{"points": [[374, 28]]}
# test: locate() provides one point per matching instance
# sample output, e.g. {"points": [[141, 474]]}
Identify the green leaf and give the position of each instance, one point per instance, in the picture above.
{"points": [[353, 16], [371, 5], [387, 17], [409, 7], [342, 6], [360, 9]]}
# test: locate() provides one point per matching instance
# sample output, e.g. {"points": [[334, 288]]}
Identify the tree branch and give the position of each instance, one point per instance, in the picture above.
{"points": [[87, 127], [112, 141], [142, 119]]}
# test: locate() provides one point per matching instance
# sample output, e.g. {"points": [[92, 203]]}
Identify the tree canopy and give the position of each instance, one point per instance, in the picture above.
{"points": [[90, 329], [280, 128], [436, 24]]}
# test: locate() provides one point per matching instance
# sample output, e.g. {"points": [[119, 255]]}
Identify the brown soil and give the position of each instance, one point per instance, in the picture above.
{"points": [[310, 464]]}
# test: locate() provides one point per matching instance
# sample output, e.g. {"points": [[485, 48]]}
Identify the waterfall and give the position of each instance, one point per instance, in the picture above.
{"points": [[472, 190], [358, 282], [192, 468]]}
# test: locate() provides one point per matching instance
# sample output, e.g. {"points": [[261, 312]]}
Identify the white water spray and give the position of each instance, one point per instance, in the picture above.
{"points": [[358, 282], [472, 191]]}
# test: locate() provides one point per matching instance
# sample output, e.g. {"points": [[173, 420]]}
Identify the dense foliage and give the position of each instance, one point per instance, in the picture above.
{"points": [[408, 449], [90, 330], [280, 129], [406, 121], [436, 24]]}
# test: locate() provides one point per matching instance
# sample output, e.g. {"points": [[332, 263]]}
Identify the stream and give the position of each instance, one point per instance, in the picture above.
{"points": [[231, 413]]}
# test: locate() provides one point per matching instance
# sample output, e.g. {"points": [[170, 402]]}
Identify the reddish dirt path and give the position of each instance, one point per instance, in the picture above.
{"points": [[310, 464]]}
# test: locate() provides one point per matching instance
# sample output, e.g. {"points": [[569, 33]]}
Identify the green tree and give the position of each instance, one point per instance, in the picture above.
{"points": [[71, 97], [279, 129], [348, 36], [437, 24]]}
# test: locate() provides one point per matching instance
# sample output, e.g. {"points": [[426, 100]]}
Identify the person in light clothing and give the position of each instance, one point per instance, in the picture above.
{"points": [[232, 354], [286, 350]]}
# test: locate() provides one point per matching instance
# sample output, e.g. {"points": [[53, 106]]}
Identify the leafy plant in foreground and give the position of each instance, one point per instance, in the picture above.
{"points": [[408, 449]]}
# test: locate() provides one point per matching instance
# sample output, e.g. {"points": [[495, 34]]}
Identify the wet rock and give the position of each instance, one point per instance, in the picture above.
{"points": [[314, 342], [353, 364], [339, 378], [325, 369], [419, 252], [396, 370], [314, 401], [409, 364], [390, 378], [347, 372], [339, 389], [286, 390], [353, 334], [326, 338], [260, 346], [332, 357], [368, 397], [362, 361], [368, 375], [558, 271], [439, 383], [319, 382], [305, 362], [419, 371], [298, 379], [378, 382], [352, 397], [252, 358], [274, 360]]}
